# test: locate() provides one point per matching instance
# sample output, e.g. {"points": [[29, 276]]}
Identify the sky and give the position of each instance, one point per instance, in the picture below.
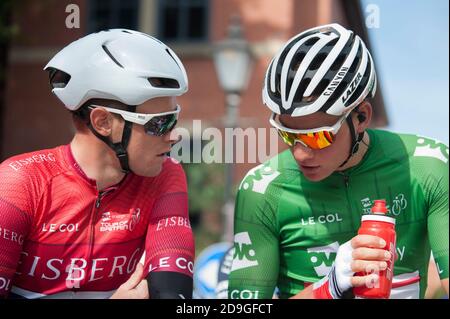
{"points": [[410, 48]]}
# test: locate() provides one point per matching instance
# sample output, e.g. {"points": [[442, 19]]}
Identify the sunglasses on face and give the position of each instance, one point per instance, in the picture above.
{"points": [[157, 124], [318, 138]]}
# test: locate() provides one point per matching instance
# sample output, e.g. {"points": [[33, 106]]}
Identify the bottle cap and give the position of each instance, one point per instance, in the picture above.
{"points": [[379, 207]]}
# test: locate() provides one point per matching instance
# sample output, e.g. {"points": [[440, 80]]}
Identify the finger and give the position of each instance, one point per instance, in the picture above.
{"points": [[135, 278], [142, 290], [369, 281], [368, 241], [364, 253], [368, 267]]}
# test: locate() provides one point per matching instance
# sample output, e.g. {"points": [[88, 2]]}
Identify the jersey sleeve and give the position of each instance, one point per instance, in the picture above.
{"points": [[169, 242], [434, 176], [255, 266], [16, 208]]}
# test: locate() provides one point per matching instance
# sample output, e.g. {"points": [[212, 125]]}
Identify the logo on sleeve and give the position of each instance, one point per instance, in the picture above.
{"points": [[259, 178], [34, 159], [428, 147], [244, 254]]}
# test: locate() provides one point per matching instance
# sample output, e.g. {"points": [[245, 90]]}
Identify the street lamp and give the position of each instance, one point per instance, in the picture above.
{"points": [[232, 59]]}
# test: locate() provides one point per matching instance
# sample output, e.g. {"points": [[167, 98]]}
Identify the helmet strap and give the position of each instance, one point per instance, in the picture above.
{"points": [[355, 140], [120, 148]]}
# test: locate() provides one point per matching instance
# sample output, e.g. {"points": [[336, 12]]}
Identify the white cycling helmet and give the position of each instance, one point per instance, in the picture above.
{"points": [[118, 64], [323, 69], [122, 65]]}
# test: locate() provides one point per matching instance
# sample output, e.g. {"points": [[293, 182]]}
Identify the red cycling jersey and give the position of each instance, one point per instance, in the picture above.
{"points": [[61, 237]]}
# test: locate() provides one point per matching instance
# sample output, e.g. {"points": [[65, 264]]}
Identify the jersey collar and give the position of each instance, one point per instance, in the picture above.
{"points": [[75, 167]]}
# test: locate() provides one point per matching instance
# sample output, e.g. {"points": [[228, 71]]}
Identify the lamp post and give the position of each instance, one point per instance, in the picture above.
{"points": [[232, 59]]}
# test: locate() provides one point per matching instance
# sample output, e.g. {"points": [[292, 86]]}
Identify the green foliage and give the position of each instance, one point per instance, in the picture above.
{"points": [[7, 29], [205, 187]]}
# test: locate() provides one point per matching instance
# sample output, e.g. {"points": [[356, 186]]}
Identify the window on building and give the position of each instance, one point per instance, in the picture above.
{"points": [[183, 20], [108, 14]]}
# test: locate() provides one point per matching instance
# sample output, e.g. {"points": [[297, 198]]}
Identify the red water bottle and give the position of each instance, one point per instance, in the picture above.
{"points": [[378, 224]]}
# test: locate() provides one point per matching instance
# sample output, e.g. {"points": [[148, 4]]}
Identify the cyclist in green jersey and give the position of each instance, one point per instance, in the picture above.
{"points": [[297, 215]]}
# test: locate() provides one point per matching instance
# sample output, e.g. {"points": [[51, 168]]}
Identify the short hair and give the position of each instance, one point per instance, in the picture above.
{"points": [[81, 116]]}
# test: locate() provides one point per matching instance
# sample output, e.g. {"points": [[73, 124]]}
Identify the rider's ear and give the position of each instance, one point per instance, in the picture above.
{"points": [[364, 116], [361, 117], [101, 121]]}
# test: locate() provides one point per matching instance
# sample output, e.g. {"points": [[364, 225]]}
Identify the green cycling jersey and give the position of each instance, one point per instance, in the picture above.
{"points": [[288, 229]]}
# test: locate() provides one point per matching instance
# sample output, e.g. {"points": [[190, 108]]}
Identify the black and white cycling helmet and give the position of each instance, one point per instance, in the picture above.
{"points": [[323, 69], [118, 64]]}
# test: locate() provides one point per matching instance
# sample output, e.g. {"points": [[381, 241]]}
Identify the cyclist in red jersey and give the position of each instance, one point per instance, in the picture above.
{"points": [[76, 220]]}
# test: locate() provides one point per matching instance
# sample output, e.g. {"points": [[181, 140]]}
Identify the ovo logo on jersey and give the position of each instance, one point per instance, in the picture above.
{"points": [[244, 254], [259, 178], [323, 257], [431, 148]]}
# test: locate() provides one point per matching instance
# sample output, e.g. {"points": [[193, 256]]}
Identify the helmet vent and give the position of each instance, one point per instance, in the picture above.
{"points": [[311, 42], [321, 87], [58, 79], [338, 63], [111, 56], [354, 65], [165, 83], [317, 62], [301, 89], [332, 43], [297, 60]]}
